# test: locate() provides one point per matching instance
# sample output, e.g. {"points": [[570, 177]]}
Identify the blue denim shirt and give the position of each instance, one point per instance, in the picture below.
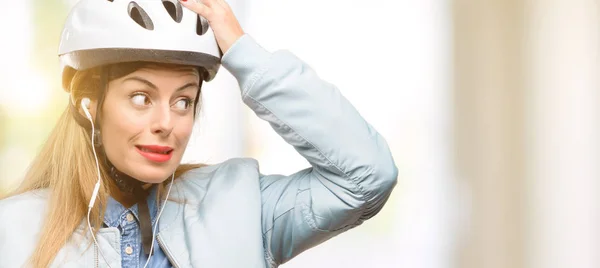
{"points": [[127, 221]]}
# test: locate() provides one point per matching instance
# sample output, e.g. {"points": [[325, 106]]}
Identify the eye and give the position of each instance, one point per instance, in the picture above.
{"points": [[140, 99], [183, 104]]}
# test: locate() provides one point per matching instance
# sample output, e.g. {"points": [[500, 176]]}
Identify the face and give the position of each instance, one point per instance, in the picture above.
{"points": [[147, 120]]}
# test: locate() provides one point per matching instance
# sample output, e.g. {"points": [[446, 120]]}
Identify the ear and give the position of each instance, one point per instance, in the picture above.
{"points": [[92, 108]]}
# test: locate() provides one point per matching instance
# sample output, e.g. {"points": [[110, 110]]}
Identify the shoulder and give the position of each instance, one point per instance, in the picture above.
{"points": [[35, 200], [228, 166], [223, 177], [24, 210], [21, 219]]}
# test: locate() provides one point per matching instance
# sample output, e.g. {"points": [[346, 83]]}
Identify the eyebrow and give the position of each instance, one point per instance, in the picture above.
{"points": [[153, 86]]}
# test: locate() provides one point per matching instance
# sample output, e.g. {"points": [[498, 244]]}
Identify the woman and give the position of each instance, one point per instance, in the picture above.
{"points": [[134, 71]]}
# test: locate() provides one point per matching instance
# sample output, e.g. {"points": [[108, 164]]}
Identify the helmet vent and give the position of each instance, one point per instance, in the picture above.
{"points": [[137, 14], [174, 9], [201, 25]]}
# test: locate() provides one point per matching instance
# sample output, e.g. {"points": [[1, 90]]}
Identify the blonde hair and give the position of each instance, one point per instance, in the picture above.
{"points": [[66, 166]]}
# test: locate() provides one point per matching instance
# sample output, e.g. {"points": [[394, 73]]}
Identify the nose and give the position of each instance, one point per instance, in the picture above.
{"points": [[162, 123]]}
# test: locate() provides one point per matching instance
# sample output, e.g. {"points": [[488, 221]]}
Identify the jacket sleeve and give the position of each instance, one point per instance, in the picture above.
{"points": [[352, 172]]}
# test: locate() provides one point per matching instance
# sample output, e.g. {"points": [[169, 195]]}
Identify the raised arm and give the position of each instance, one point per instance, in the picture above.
{"points": [[352, 173]]}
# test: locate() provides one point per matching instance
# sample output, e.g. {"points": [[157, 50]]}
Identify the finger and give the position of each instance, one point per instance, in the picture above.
{"points": [[222, 3], [208, 3], [196, 6]]}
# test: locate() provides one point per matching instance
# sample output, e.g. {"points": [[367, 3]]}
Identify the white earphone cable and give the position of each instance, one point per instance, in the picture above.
{"points": [[97, 186], [157, 218], [84, 103]]}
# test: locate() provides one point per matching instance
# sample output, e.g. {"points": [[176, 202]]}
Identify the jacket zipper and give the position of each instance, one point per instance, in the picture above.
{"points": [[167, 251]]}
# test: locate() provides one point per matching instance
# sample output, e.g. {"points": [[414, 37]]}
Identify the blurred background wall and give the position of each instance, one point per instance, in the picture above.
{"points": [[490, 100], [491, 109]]}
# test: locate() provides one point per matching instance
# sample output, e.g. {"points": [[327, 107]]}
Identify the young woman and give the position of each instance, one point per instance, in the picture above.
{"points": [[107, 188]]}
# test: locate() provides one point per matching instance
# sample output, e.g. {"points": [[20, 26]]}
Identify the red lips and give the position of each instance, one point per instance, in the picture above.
{"points": [[155, 153]]}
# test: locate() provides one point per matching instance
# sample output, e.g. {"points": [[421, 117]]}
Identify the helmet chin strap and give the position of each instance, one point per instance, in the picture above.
{"points": [[125, 183], [133, 187]]}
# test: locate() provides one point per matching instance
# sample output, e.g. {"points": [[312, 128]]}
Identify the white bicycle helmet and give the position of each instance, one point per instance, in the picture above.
{"points": [[99, 32]]}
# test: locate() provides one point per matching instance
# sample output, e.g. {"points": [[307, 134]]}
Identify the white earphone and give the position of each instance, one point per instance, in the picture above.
{"points": [[85, 103]]}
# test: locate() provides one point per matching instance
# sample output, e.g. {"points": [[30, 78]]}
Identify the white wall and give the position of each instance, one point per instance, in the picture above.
{"points": [[564, 124]]}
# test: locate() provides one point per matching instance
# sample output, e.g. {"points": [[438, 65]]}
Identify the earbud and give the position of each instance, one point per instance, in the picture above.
{"points": [[85, 105]]}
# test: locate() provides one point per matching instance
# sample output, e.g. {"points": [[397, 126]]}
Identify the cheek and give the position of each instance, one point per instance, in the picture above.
{"points": [[121, 129], [118, 129], [183, 131]]}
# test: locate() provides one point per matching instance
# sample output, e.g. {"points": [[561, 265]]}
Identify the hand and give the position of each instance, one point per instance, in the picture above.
{"points": [[225, 25]]}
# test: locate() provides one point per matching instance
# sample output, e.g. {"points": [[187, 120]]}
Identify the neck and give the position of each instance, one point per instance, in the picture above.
{"points": [[127, 200], [125, 189]]}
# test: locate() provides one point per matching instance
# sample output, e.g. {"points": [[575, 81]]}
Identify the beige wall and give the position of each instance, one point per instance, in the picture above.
{"points": [[489, 152], [527, 133]]}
